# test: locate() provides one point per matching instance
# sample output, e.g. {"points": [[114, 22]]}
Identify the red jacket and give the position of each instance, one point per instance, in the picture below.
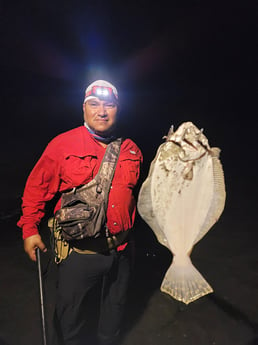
{"points": [[70, 160]]}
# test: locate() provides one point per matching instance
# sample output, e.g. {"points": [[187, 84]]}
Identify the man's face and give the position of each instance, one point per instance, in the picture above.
{"points": [[99, 115]]}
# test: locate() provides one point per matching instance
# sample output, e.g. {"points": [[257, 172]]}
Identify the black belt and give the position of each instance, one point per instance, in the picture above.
{"points": [[100, 244]]}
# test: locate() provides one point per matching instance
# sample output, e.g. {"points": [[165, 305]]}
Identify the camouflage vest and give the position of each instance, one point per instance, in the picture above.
{"points": [[83, 209]]}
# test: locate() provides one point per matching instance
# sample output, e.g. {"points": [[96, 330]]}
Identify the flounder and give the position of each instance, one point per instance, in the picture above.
{"points": [[181, 199]]}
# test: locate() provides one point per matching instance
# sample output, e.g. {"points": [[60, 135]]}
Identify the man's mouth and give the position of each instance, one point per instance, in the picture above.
{"points": [[101, 120]]}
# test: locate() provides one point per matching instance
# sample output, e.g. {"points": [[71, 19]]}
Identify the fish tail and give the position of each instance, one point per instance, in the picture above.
{"points": [[184, 283]]}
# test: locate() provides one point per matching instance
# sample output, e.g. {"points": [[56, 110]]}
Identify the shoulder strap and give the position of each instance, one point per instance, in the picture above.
{"points": [[106, 171]]}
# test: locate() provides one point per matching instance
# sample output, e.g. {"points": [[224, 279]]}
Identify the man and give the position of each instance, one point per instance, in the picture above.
{"points": [[70, 160]]}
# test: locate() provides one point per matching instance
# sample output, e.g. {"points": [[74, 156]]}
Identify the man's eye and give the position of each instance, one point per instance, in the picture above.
{"points": [[93, 104], [110, 105]]}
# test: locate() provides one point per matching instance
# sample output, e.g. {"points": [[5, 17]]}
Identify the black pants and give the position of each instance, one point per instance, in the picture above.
{"points": [[77, 275]]}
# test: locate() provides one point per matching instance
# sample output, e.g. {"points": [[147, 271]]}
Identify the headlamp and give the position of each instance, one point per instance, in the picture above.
{"points": [[102, 92]]}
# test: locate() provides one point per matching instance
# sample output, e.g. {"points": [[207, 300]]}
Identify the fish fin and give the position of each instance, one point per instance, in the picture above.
{"points": [[145, 210], [218, 201], [215, 152], [145, 206], [184, 282]]}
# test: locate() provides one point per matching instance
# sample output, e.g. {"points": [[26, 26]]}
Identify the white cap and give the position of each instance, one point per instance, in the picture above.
{"points": [[101, 89]]}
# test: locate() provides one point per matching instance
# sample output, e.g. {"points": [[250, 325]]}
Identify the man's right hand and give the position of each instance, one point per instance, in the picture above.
{"points": [[31, 244]]}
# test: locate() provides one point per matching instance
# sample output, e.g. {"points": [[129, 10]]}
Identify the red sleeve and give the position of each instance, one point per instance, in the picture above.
{"points": [[41, 186]]}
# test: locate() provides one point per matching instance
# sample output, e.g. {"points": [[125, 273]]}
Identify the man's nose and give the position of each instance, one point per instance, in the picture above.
{"points": [[102, 110]]}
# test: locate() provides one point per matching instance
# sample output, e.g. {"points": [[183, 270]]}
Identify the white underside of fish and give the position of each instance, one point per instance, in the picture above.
{"points": [[181, 199]]}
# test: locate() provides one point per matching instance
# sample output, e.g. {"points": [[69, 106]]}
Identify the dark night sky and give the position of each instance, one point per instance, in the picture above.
{"points": [[172, 61], [190, 60]]}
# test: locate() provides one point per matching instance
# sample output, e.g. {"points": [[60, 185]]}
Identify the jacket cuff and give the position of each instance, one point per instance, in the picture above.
{"points": [[28, 231]]}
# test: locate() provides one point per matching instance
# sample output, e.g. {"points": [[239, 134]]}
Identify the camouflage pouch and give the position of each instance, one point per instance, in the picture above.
{"points": [[60, 247]]}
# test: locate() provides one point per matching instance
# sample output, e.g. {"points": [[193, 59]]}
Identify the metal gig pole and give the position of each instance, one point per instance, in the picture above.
{"points": [[41, 298]]}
